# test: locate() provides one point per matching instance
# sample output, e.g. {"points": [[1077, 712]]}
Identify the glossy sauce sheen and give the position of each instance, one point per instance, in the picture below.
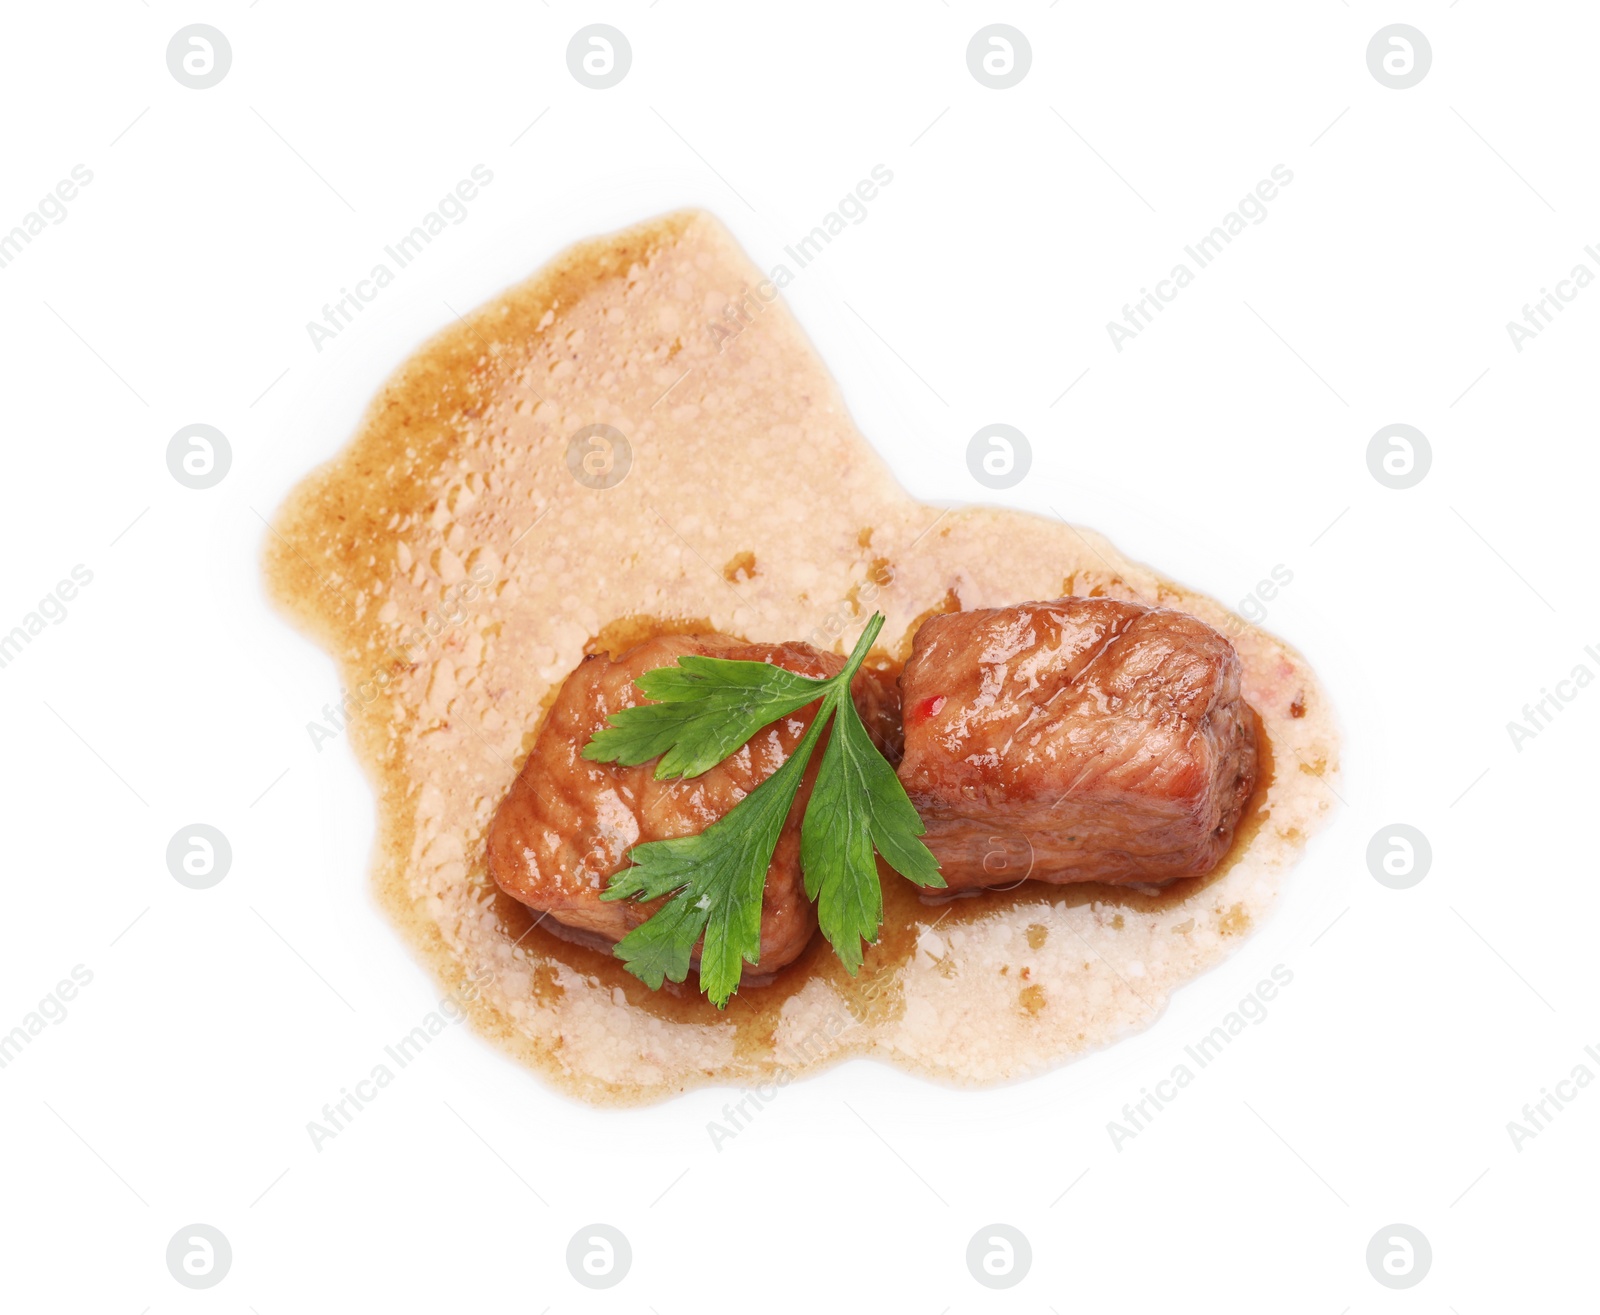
{"points": [[568, 824], [458, 569]]}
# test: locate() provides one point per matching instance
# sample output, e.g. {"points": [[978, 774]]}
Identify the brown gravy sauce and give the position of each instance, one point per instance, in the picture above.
{"points": [[457, 569]]}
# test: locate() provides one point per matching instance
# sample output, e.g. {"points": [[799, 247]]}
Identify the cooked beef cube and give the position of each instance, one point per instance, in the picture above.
{"points": [[1088, 739], [567, 824], [876, 695]]}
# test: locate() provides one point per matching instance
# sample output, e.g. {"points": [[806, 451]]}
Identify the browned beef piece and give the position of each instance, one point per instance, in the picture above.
{"points": [[1088, 739], [567, 823]]}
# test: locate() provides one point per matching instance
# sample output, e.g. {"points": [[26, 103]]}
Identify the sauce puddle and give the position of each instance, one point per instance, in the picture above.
{"points": [[478, 536]]}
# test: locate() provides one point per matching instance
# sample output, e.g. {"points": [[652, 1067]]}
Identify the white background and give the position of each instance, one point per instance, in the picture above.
{"points": [[1225, 440]]}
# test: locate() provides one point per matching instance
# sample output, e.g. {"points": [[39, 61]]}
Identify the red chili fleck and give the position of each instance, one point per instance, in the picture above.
{"points": [[929, 707]]}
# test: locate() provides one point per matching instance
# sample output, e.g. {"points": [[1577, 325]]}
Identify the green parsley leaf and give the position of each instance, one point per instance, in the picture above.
{"points": [[857, 806], [716, 879], [704, 710]]}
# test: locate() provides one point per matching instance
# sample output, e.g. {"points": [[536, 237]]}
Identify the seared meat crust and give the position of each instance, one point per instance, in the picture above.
{"points": [[1086, 739], [567, 824]]}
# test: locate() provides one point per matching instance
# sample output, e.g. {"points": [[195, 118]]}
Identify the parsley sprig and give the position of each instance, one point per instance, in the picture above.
{"points": [[704, 710]]}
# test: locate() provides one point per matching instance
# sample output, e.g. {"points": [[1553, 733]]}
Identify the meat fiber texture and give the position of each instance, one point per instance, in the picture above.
{"points": [[567, 824], [1086, 739]]}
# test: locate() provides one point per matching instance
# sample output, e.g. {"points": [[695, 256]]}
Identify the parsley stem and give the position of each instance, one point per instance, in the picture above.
{"points": [[858, 655]]}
